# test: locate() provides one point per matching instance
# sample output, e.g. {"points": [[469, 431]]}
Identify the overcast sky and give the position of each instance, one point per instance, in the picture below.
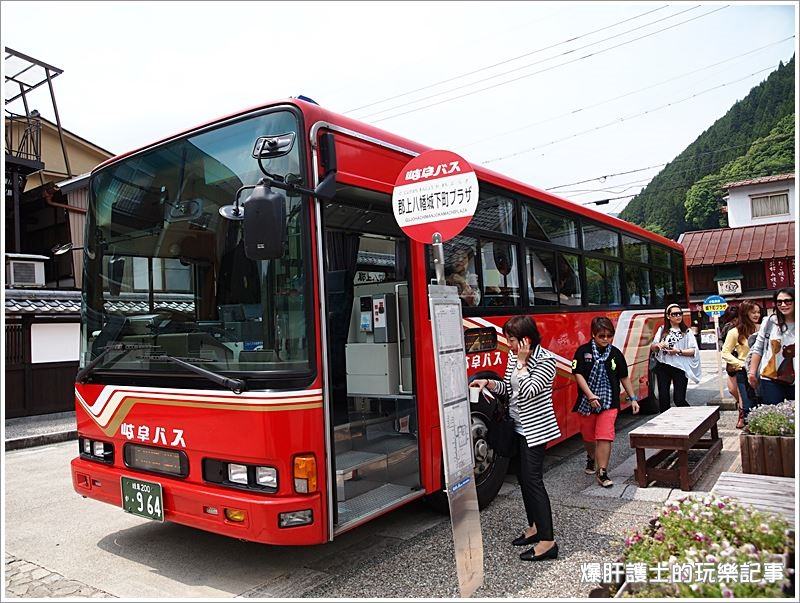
{"points": [[136, 72]]}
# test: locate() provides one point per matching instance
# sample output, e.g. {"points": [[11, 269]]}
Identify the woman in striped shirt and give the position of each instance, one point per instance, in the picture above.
{"points": [[528, 384]]}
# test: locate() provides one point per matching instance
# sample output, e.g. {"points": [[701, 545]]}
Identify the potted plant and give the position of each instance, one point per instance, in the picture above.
{"points": [[716, 536], [767, 442]]}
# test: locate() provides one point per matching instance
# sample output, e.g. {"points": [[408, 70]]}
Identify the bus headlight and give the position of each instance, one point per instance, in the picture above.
{"points": [[237, 474], [267, 476]]}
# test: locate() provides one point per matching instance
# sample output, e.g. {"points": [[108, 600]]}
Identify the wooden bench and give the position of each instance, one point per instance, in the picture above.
{"points": [[676, 431], [763, 492]]}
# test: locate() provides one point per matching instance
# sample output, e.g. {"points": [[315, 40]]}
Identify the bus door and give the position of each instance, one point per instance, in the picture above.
{"points": [[372, 400]]}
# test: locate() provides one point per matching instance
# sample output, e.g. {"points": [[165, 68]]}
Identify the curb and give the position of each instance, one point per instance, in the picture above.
{"points": [[41, 440], [726, 404]]}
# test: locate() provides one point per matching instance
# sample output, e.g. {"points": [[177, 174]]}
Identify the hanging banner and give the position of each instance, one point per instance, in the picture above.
{"points": [[778, 273]]}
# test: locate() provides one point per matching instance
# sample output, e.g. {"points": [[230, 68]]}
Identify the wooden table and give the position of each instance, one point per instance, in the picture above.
{"points": [[677, 430], [764, 492]]}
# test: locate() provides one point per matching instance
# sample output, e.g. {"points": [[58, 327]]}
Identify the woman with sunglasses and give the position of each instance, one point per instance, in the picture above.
{"points": [[772, 363], [678, 357]]}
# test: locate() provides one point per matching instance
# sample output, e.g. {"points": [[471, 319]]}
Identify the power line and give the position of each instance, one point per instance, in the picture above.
{"points": [[620, 120], [632, 92], [591, 54], [605, 190], [515, 69], [692, 158], [715, 180], [527, 54]]}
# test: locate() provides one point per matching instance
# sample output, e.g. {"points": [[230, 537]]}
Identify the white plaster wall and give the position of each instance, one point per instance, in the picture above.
{"points": [[55, 342], [740, 209]]}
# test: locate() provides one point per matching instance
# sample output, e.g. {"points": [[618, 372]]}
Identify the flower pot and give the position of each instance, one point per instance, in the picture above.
{"points": [[767, 455]]}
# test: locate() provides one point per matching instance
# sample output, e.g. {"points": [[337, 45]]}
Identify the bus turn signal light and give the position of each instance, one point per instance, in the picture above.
{"points": [[305, 474], [235, 515]]}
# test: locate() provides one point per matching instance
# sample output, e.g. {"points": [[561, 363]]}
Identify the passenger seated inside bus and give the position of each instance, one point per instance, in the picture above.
{"points": [[461, 274]]}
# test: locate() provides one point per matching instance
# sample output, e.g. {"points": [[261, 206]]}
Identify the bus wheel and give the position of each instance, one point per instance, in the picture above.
{"points": [[490, 468]]}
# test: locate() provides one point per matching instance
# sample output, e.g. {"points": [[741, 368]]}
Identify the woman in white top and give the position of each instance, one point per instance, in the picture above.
{"points": [[678, 357], [771, 367]]}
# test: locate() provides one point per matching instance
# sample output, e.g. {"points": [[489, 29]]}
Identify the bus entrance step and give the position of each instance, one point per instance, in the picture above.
{"points": [[355, 459], [371, 502]]}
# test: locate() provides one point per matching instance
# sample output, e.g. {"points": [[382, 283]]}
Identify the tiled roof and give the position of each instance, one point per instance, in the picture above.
{"points": [[42, 302], [736, 245], [762, 180], [63, 303]]}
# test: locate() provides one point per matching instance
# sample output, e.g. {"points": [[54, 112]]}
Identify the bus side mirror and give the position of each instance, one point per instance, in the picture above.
{"points": [[326, 189], [264, 224]]}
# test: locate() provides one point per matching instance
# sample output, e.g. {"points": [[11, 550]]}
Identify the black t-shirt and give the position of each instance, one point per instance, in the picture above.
{"points": [[616, 367]]}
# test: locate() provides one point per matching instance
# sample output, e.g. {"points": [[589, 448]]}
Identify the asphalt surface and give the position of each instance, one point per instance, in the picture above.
{"points": [[59, 544]]}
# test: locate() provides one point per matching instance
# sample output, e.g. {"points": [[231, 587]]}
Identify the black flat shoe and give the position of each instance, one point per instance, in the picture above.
{"points": [[530, 554], [525, 540]]}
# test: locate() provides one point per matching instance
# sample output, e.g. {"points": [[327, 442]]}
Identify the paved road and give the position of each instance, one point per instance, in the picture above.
{"points": [[73, 546], [59, 544]]}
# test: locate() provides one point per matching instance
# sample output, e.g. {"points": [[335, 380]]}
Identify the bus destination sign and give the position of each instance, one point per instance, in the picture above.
{"points": [[436, 191]]}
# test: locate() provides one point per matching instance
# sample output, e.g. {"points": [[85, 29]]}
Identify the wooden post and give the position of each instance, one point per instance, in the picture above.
{"points": [[719, 357]]}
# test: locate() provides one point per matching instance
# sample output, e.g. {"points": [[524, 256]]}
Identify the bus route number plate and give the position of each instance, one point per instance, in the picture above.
{"points": [[142, 498]]}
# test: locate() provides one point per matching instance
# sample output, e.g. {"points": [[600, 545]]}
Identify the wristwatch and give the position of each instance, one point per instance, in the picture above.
{"points": [[633, 399], [520, 366]]}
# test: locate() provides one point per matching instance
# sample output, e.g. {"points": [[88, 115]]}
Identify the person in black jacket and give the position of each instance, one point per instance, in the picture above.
{"points": [[599, 369]]}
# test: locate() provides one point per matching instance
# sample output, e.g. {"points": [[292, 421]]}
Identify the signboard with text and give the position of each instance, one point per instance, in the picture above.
{"points": [[456, 431], [779, 272], [436, 191], [731, 287], [714, 305]]}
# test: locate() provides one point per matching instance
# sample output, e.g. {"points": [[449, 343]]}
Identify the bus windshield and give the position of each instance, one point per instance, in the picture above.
{"points": [[166, 275]]}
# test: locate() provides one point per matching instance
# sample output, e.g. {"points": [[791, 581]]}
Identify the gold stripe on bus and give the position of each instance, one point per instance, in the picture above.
{"points": [[129, 403]]}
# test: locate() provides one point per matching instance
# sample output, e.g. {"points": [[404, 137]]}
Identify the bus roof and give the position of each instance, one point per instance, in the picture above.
{"points": [[314, 113]]}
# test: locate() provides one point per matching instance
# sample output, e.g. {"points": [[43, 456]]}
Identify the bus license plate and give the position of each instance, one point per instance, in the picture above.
{"points": [[142, 498]]}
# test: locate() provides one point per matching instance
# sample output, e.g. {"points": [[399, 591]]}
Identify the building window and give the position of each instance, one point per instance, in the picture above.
{"points": [[770, 205]]}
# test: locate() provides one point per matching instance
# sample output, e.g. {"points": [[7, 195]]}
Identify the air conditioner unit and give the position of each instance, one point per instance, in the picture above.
{"points": [[24, 273]]}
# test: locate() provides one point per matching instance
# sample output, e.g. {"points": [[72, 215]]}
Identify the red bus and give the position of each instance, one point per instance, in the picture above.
{"points": [[267, 373]]}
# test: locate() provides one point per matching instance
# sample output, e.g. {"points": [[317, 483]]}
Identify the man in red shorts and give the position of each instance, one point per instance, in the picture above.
{"points": [[599, 369]]}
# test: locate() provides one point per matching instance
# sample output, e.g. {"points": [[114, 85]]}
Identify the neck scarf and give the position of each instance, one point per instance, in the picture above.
{"points": [[598, 382]]}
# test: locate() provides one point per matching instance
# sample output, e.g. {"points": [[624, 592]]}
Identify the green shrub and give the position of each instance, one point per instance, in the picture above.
{"points": [[772, 420], [710, 531]]}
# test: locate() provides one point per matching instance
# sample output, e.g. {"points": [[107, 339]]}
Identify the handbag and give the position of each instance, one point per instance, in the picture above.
{"points": [[731, 369], [785, 372], [502, 436], [652, 363]]}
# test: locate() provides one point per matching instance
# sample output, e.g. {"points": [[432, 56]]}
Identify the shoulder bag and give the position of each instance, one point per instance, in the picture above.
{"points": [[501, 436], [731, 368]]}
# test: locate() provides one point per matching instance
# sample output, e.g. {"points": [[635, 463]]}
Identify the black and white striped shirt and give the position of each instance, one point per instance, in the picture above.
{"points": [[535, 395]]}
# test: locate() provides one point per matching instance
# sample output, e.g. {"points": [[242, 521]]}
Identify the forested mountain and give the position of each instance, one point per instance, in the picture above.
{"points": [[661, 208], [773, 154]]}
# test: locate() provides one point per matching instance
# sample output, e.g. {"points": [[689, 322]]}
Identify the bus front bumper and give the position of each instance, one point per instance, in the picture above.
{"points": [[189, 504]]}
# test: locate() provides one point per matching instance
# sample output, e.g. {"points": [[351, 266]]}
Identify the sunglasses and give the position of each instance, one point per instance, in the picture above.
{"points": [[784, 302], [676, 313]]}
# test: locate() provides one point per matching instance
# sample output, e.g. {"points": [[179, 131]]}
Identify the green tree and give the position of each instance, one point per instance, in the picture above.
{"points": [[772, 154], [664, 200]]}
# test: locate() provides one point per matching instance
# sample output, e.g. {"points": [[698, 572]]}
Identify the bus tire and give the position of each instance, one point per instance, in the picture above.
{"points": [[490, 468]]}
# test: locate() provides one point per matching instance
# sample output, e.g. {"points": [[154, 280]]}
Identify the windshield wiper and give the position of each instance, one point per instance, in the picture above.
{"points": [[87, 370], [237, 386]]}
